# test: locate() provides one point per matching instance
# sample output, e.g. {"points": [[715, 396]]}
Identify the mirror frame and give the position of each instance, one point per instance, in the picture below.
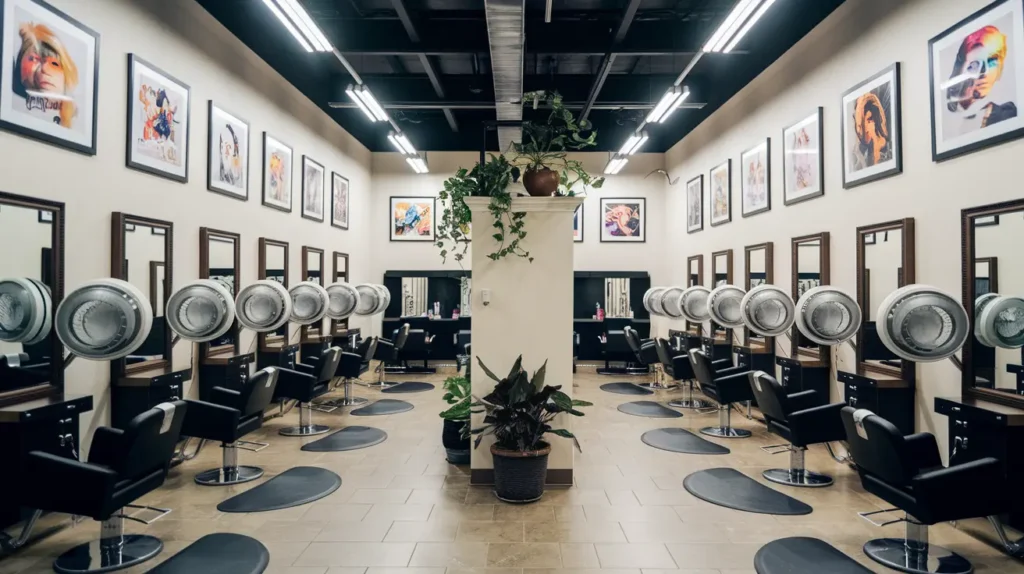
{"points": [[694, 327], [312, 333], [769, 279], [906, 227], [967, 244], [56, 384], [340, 327], [205, 234], [119, 368], [728, 281], [824, 269], [264, 338]]}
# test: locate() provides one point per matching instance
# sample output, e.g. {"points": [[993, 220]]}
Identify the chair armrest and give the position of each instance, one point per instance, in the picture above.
{"points": [[385, 350], [731, 371], [58, 484], [802, 400], [348, 364], [107, 447], [734, 388], [211, 421], [720, 362], [923, 450], [292, 384], [818, 424], [682, 368], [224, 397], [961, 482], [304, 368]]}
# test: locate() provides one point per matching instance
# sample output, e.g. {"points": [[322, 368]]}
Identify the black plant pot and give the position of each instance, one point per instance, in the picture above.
{"points": [[456, 446], [519, 476]]}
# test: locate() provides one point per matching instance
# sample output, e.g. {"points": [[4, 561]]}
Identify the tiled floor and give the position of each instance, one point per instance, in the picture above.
{"points": [[403, 510]]}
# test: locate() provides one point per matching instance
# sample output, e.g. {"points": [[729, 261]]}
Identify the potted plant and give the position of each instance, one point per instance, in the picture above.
{"points": [[519, 412], [545, 146], [455, 436]]}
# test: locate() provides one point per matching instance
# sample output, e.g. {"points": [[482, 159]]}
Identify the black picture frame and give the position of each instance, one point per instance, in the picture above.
{"points": [[896, 128], [767, 175], [291, 174], [433, 217], [131, 163], [323, 200], [209, 151], [623, 239], [157, 231], [582, 223], [988, 221], [700, 193], [711, 203], [786, 200], [45, 216], [335, 176]]}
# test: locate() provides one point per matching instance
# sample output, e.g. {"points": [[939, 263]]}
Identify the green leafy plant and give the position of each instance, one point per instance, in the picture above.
{"points": [[457, 395], [546, 144], [519, 411]]}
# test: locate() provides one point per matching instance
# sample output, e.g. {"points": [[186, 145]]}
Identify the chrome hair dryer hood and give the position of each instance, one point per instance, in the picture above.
{"points": [[693, 304], [344, 298], [652, 301], [310, 303], [373, 299], [671, 302], [921, 323], [999, 321], [104, 320], [263, 306], [827, 315], [201, 311], [724, 306], [768, 310], [25, 311]]}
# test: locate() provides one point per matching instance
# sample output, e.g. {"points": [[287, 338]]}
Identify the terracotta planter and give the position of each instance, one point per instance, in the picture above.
{"points": [[541, 183], [520, 476]]}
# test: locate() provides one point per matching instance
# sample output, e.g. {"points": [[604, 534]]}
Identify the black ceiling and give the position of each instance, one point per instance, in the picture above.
{"points": [[411, 51]]}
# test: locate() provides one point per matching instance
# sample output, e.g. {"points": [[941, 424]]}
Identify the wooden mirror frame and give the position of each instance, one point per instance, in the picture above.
{"points": [[769, 279], [824, 269], [694, 327], [312, 333], [205, 235], [728, 281], [56, 384], [118, 221], [906, 227], [967, 245], [264, 338], [340, 327]]}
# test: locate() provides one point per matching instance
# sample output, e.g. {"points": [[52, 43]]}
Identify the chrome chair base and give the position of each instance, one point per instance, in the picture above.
{"points": [[107, 555], [696, 404], [227, 476], [349, 402], [304, 430], [725, 432], [894, 553], [799, 478]]}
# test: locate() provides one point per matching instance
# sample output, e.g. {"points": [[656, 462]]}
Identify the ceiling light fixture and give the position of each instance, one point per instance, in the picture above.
{"points": [[615, 165], [417, 164], [634, 143], [351, 91], [298, 22], [401, 143], [750, 24], [288, 25], [668, 104], [377, 112], [737, 24]]}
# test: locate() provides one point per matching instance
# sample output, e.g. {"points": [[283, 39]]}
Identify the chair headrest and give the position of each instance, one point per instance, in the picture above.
{"points": [[859, 416], [168, 414]]}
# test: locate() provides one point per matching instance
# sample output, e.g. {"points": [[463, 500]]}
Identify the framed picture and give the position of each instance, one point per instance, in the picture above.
{"points": [[756, 179], [695, 204], [412, 218], [312, 189], [227, 166], [339, 201], [871, 136], [158, 121], [47, 216], [277, 173], [49, 74], [976, 80], [624, 220], [803, 160], [720, 183], [577, 225]]}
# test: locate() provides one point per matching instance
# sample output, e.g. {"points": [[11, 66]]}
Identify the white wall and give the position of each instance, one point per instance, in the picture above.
{"points": [[859, 39]]}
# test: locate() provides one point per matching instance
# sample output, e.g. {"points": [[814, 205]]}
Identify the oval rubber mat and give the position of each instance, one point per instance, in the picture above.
{"points": [[409, 387], [731, 488], [649, 409], [801, 555], [219, 552], [293, 487], [625, 389], [383, 407], [681, 440], [348, 438]]}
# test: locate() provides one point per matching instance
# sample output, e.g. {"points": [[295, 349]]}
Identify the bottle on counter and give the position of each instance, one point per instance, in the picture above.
{"points": [[600, 313]]}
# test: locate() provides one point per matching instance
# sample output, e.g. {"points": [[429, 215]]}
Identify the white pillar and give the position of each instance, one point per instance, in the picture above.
{"points": [[530, 313]]}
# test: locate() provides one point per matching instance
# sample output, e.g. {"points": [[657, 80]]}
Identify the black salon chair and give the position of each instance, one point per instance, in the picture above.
{"points": [[351, 365], [227, 416], [304, 384], [725, 385], [801, 419], [616, 348], [123, 466], [907, 472], [417, 347], [676, 364], [388, 351], [646, 353]]}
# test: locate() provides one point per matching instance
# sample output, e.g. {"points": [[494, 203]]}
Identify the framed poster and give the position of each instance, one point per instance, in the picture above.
{"points": [[412, 218], [339, 201], [756, 179], [803, 159], [695, 204], [277, 173], [976, 80], [312, 189], [577, 225], [624, 220], [720, 183], [158, 121], [871, 137], [227, 166]]}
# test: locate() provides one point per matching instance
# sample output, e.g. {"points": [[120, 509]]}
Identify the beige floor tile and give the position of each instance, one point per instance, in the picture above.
{"points": [[527, 513], [531, 555], [380, 496], [429, 531], [630, 514], [484, 571], [681, 532], [720, 556], [383, 570], [450, 554], [356, 554], [459, 512], [337, 512], [490, 531], [634, 556], [383, 512], [369, 531], [574, 531], [290, 531], [579, 555], [345, 570], [581, 571]]}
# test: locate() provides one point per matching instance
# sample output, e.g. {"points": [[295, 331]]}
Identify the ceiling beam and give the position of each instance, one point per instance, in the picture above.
{"points": [[606, 64], [425, 59], [482, 105]]}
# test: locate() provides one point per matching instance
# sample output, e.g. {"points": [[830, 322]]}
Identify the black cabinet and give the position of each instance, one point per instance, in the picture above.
{"points": [[136, 393], [804, 375], [755, 358], [716, 348], [227, 371], [888, 397], [277, 356]]}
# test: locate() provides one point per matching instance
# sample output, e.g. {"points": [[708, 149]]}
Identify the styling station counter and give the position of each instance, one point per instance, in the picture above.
{"points": [[135, 393], [444, 331], [591, 331], [229, 371]]}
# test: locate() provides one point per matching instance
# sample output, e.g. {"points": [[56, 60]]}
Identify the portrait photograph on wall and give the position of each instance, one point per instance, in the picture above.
{"points": [[277, 173], [412, 218], [312, 189], [756, 179], [577, 224], [871, 138], [720, 184], [48, 75], [624, 220], [339, 201], [695, 204], [803, 161], [228, 164], [976, 76], [158, 121]]}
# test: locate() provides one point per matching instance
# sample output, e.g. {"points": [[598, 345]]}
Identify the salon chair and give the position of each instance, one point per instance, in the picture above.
{"points": [[725, 385], [350, 366], [416, 348], [907, 472], [676, 364], [646, 353], [19, 370], [227, 416], [616, 348], [304, 384], [388, 351], [463, 338], [123, 466], [801, 419]]}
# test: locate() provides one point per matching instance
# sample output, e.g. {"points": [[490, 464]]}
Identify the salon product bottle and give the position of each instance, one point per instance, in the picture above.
{"points": [[455, 313], [600, 312], [437, 309]]}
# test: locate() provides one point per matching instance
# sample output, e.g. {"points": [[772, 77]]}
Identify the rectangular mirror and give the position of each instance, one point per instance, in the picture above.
{"points": [[312, 271], [414, 297], [885, 262], [340, 276], [811, 261], [31, 249], [695, 272], [220, 257], [616, 298], [721, 272], [142, 250], [273, 265], [758, 265]]}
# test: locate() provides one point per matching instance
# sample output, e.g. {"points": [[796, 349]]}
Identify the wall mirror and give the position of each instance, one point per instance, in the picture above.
{"points": [[695, 277], [312, 271], [142, 254], [721, 272], [414, 296], [811, 260], [759, 269], [992, 360], [31, 264], [220, 256], [885, 262], [340, 276], [616, 298], [273, 265]]}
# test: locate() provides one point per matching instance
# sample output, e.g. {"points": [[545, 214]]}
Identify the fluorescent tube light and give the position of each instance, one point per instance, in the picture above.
{"points": [[351, 91], [727, 32], [664, 104], [750, 24], [679, 101], [305, 24], [615, 165], [394, 142], [288, 25], [629, 145], [417, 164], [639, 144], [404, 142], [375, 108]]}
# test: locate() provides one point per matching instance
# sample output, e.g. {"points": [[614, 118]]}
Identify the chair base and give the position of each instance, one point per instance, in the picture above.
{"points": [[227, 476], [799, 478], [695, 404], [725, 432], [107, 556], [893, 553], [304, 430], [349, 402]]}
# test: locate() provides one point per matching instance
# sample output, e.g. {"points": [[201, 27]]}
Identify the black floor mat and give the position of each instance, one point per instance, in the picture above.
{"points": [[731, 488], [681, 440], [222, 553], [620, 371], [383, 407], [409, 387], [293, 487], [802, 555], [625, 389], [649, 409], [348, 438]]}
